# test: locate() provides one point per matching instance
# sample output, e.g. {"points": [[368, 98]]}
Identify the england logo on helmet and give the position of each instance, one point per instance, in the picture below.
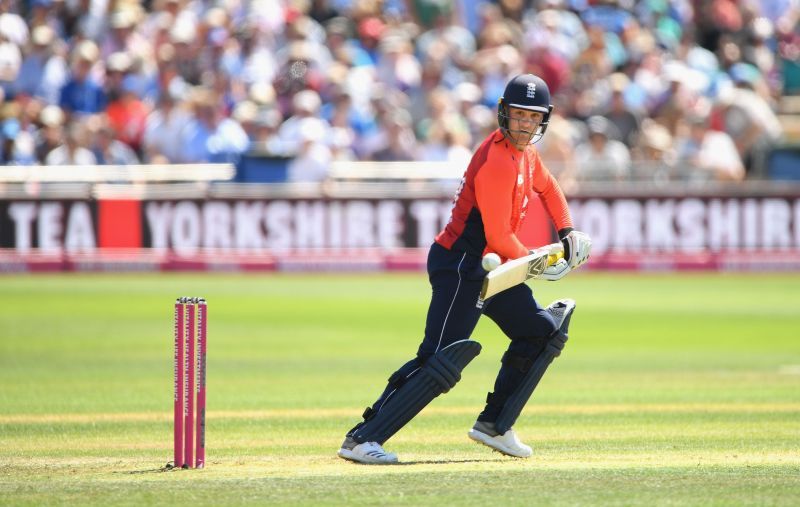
{"points": [[529, 92]]}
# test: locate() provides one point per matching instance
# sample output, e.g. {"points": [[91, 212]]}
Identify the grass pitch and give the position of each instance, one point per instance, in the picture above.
{"points": [[672, 390]]}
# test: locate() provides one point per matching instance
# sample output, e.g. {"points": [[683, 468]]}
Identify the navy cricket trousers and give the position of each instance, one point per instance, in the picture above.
{"points": [[456, 279]]}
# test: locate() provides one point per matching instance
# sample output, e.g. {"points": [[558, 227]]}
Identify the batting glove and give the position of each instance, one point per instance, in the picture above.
{"points": [[577, 247], [556, 272]]}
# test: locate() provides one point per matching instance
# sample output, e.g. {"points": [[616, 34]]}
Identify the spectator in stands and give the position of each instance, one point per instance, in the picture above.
{"points": [[124, 36], [444, 128], [426, 12], [12, 26], [49, 137], [394, 140], [594, 62], [327, 46], [398, 67], [9, 128], [557, 147], [256, 60], [82, 94], [370, 30], [43, 13], [74, 148], [116, 66], [760, 30], [608, 15], [208, 135], [215, 56], [788, 50], [142, 79], [430, 79], [602, 157], [163, 126], [452, 45], [314, 156], [264, 137], [305, 106], [547, 61], [17, 144], [166, 78], [750, 121], [263, 96], [466, 95], [322, 11], [655, 154], [342, 118], [626, 122], [25, 139], [44, 70], [446, 144], [10, 63], [712, 154], [383, 102], [556, 27], [380, 106], [183, 37], [672, 103], [106, 148], [87, 19], [496, 59], [300, 71], [245, 113], [127, 113]]}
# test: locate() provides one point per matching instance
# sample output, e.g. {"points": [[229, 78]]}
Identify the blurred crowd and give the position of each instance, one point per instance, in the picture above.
{"points": [[651, 88]]}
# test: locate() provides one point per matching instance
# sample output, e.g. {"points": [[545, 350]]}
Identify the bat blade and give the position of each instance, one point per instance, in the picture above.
{"points": [[517, 271]]}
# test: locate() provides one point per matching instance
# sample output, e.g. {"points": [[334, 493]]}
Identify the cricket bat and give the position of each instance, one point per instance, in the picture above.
{"points": [[517, 271]]}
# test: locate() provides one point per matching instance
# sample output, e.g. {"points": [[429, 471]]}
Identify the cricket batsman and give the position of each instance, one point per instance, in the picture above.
{"points": [[505, 173]]}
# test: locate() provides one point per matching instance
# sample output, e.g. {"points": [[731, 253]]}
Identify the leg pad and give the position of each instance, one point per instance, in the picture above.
{"points": [[438, 375], [561, 311]]}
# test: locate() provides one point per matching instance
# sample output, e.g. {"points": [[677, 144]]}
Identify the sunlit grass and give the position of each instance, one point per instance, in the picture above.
{"points": [[673, 390]]}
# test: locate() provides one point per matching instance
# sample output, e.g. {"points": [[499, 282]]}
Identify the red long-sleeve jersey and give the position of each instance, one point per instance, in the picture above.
{"points": [[491, 204]]}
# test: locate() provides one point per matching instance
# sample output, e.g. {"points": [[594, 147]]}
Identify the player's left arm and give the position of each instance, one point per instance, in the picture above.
{"points": [[577, 245]]}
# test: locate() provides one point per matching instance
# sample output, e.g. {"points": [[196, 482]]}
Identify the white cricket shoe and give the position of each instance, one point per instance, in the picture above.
{"points": [[370, 453], [508, 443]]}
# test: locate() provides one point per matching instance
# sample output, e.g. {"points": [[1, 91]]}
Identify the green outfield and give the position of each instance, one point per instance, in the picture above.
{"points": [[672, 390]]}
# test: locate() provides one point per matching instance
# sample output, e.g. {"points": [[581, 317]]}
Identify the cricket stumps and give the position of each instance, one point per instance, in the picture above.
{"points": [[189, 411]]}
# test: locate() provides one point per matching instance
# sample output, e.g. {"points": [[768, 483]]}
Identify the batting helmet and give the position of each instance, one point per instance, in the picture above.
{"points": [[525, 91]]}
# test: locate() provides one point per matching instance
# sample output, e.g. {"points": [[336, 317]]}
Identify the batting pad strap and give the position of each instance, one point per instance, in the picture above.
{"points": [[438, 375], [397, 380], [555, 344], [520, 363]]}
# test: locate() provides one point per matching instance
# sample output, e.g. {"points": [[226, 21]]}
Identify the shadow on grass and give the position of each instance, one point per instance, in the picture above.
{"points": [[425, 462], [169, 467]]}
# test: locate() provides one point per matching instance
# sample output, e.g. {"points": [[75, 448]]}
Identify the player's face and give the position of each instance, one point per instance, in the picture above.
{"points": [[522, 124]]}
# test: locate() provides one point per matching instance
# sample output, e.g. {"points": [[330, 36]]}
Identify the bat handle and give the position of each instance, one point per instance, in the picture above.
{"points": [[556, 253]]}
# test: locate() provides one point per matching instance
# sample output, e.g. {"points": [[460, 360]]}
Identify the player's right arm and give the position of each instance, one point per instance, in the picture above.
{"points": [[494, 187]]}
